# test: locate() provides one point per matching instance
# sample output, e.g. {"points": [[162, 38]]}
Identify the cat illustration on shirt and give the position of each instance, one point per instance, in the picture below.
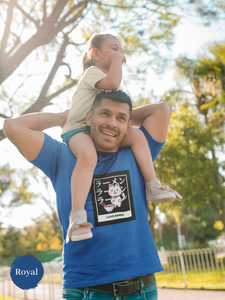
{"points": [[117, 196]]}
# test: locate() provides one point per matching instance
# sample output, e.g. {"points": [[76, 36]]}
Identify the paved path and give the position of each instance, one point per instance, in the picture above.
{"points": [[172, 294]]}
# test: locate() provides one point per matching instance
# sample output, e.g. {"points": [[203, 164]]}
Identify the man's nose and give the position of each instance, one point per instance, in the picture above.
{"points": [[112, 122]]}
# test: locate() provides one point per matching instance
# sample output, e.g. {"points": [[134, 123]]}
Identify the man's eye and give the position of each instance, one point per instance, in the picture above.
{"points": [[122, 118], [105, 113], [115, 49]]}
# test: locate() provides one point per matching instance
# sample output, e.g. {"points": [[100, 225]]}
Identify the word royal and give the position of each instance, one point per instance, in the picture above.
{"points": [[27, 272]]}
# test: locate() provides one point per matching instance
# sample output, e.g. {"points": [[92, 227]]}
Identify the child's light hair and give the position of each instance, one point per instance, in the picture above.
{"points": [[95, 41]]}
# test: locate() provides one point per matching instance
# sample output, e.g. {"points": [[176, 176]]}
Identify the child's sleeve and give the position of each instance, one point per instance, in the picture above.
{"points": [[92, 76]]}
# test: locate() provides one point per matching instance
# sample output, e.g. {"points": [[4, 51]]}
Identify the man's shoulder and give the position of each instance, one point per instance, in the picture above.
{"points": [[53, 158], [53, 148]]}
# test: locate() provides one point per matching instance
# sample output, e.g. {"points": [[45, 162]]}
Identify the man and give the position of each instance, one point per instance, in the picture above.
{"points": [[121, 258]]}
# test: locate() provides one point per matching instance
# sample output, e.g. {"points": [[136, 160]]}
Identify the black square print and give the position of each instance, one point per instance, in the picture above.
{"points": [[112, 198]]}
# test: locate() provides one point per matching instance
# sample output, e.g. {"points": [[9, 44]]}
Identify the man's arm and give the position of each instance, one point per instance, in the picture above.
{"points": [[155, 118], [25, 132]]}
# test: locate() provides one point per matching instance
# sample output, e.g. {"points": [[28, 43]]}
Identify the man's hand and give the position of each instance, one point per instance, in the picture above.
{"points": [[25, 132], [64, 116]]}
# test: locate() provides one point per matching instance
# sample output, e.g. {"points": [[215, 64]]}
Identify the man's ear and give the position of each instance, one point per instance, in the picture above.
{"points": [[129, 126], [95, 54], [89, 118]]}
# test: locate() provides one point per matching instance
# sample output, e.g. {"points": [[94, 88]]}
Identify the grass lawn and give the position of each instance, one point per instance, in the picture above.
{"points": [[194, 280], [9, 298], [56, 279]]}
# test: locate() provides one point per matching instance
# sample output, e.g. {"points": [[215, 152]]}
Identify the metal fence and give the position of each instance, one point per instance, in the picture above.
{"points": [[50, 287], [196, 268]]}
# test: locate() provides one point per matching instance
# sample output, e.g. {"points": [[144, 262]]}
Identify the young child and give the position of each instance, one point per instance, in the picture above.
{"points": [[102, 65]]}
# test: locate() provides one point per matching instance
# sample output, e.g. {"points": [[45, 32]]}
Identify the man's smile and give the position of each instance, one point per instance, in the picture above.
{"points": [[108, 133], [109, 124]]}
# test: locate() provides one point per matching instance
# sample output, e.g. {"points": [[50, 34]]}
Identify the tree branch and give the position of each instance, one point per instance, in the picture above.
{"points": [[37, 23], [63, 89], [56, 12], [43, 101], [54, 69], [44, 8], [62, 24], [4, 116], [85, 2], [68, 66], [7, 28], [72, 20], [43, 36], [16, 43]]}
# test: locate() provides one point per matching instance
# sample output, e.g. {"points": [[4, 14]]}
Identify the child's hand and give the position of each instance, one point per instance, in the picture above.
{"points": [[119, 55]]}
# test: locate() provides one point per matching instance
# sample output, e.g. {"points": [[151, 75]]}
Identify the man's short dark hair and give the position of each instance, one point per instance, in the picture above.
{"points": [[117, 96]]}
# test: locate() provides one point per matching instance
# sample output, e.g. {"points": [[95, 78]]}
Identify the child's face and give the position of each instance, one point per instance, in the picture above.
{"points": [[109, 46]]}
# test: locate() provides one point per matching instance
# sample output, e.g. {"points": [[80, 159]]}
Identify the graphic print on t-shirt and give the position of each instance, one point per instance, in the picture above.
{"points": [[112, 198]]}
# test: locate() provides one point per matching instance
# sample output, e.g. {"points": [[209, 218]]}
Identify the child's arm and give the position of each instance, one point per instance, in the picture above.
{"points": [[114, 76], [154, 117]]}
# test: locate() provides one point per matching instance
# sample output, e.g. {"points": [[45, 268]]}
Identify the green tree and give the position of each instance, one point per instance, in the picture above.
{"points": [[206, 78], [187, 164], [209, 11], [45, 234], [200, 225], [5, 179]]}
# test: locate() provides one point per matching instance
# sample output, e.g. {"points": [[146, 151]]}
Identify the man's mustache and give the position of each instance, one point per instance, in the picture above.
{"points": [[109, 128]]}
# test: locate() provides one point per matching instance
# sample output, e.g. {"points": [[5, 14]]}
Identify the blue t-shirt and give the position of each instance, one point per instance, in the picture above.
{"points": [[122, 246]]}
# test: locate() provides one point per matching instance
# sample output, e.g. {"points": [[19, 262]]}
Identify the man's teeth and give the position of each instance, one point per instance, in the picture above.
{"points": [[108, 133]]}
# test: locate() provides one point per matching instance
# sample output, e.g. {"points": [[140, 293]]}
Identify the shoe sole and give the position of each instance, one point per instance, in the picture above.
{"points": [[81, 237], [162, 198]]}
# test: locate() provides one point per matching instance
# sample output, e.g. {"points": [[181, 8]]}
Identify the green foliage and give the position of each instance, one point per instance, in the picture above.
{"points": [[188, 164], [209, 11], [45, 234], [207, 78], [199, 225], [5, 179], [185, 163]]}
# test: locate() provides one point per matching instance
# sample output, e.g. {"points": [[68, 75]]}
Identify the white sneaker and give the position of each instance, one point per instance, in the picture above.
{"points": [[160, 193], [79, 228]]}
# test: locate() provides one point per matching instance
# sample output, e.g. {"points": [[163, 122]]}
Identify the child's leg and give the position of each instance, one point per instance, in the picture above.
{"points": [[84, 150], [139, 146]]}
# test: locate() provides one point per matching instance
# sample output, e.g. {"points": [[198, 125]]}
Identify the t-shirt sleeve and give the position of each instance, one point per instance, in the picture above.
{"points": [[47, 160], [92, 76], [155, 147]]}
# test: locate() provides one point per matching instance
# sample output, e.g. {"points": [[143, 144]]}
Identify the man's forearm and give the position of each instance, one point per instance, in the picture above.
{"points": [[37, 121], [25, 132]]}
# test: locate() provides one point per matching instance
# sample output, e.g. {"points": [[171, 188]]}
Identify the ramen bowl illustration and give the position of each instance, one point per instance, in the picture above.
{"points": [[108, 207]]}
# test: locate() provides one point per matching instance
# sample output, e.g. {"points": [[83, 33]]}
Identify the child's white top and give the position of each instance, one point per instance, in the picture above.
{"points": [[83, 99]]}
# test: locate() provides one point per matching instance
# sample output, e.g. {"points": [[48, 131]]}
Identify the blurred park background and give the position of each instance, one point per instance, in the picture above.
{"points": [[175, 53]]}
